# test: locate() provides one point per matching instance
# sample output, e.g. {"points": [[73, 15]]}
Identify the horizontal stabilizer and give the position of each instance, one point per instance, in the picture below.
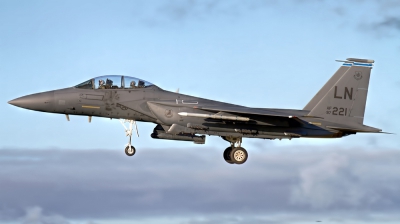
{"points": [[356, 128]]}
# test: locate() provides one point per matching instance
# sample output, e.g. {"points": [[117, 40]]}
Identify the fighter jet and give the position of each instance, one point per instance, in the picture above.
{"points": [[337, 110]]}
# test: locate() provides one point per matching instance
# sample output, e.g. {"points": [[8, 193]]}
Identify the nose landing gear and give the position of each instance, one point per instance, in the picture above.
{"points": [[129, 149], [235, 154]]}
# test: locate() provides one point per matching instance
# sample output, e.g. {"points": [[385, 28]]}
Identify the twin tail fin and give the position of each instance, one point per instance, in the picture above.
{"points": [[343, 98]]}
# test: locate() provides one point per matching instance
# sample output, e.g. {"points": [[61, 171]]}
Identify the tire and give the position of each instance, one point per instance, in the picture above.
{"points": [[227, 154], [129, 152], [238, 155]]}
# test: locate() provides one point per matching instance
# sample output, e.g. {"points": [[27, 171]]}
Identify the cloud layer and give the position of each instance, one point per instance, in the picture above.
{"points": [[375, 16], [104, 184]]}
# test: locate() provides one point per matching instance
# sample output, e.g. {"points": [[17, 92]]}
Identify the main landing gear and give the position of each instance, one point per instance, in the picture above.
{"points": [[235, 154], [129, 149]]}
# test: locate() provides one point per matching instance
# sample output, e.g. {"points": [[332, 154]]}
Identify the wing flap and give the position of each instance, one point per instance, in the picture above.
{"points": [[357, 129]]}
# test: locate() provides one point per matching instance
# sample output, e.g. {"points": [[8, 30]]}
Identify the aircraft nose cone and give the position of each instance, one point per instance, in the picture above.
{"points": [[38, 101], [21, 101], [13, 102]]}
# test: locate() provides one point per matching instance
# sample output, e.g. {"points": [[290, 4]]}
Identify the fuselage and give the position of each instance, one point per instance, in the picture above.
{"points": [[153, 104]]}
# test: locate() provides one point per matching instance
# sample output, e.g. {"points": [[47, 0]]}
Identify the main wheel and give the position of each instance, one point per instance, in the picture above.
{"points": [[238, 155], [130, 150], [227, 155]]}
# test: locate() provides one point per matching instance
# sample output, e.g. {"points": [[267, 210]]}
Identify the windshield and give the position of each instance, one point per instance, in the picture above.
{"points": [[85, 85], [114, 82]]}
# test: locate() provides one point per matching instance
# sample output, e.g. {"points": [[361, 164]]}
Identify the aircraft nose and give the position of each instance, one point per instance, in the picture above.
{"points": [[13, 102], [37, 101]]}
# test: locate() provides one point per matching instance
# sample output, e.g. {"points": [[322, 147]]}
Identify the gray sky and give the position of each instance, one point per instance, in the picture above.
{"points": [[300, 185], [259, 53]]}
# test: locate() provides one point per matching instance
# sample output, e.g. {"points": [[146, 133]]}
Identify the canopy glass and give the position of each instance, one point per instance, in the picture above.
{"points": [[114, 82]]}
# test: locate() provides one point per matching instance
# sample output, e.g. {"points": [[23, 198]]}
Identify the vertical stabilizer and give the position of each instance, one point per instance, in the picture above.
{"points": [[344, 100], [328, 85]]}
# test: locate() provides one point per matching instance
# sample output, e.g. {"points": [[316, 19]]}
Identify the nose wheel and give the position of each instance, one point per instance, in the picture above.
{"points": [[129, 149]]}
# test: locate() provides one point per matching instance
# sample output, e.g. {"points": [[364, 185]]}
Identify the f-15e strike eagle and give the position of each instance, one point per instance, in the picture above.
{"points": [[337, 110]]}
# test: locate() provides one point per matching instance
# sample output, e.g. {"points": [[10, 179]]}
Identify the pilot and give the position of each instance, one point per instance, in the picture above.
{"points": [[133, 84], [101, 84]]}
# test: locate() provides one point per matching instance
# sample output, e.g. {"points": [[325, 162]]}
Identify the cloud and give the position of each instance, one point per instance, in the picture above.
{"points": [[232, 220], [105, 184], [318, 184], [386, 26], [384, 18], [178, 11], [34, 215], [332, 181], [391, 22]]}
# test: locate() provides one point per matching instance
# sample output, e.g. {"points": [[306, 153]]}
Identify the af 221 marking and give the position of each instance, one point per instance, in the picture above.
{"points": [[339, 111]]}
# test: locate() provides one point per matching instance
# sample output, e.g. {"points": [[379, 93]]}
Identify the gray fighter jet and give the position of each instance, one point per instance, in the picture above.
{"points": [[337, 110]]}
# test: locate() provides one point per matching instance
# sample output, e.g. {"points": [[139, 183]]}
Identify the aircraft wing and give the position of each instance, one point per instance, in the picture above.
{"points": [[254, 111], [236, 109]]}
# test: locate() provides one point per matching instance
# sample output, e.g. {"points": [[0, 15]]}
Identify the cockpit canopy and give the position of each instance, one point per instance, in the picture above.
{"points": [[114, 82]]}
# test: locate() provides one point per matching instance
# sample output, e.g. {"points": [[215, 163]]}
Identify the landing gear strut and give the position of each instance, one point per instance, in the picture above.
{"points": [[129, 149], [235, 154]]}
